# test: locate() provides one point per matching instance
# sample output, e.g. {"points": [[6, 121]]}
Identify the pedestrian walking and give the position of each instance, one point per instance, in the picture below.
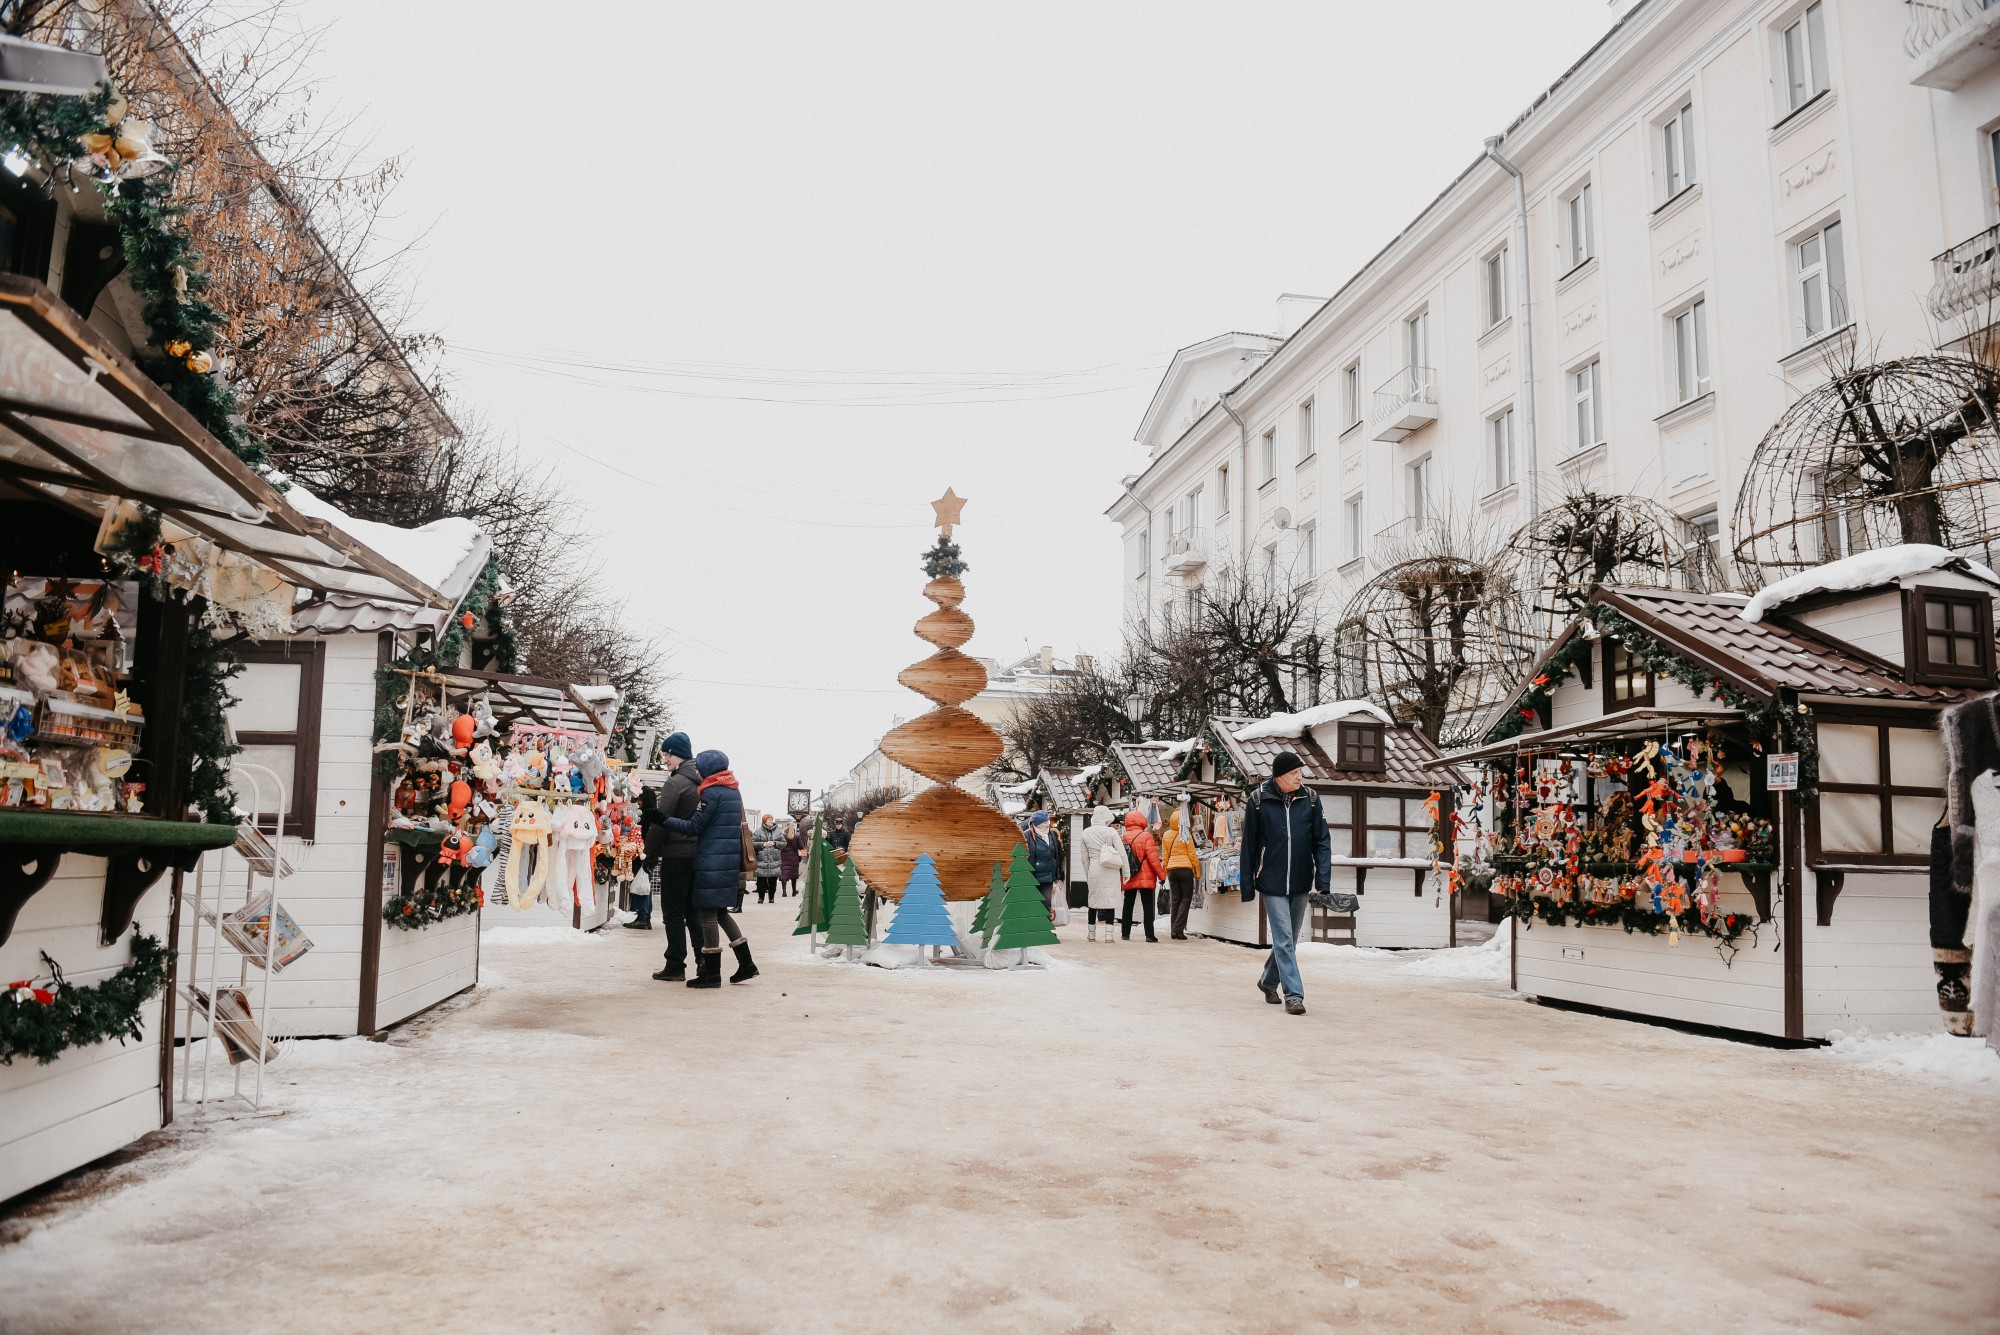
{"points": [[839, 836], [789, 857], [768, 842], [641, 884], [1044, 858], [1143, 872], [1288, 859], [673, 884], [1104, 869], [1183, 863], [717, 829]]}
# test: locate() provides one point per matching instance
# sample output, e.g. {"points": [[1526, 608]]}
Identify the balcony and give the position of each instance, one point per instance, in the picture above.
{"points": [[1405, 405], [1187, 553], [1967, 277], [1949, 41]]}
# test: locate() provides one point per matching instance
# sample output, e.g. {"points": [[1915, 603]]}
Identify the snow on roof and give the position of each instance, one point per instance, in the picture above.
{"points": [[1863, 570], [438, 553], [1089, 772], [597, 691], [1027, 787], [1297, 725], [1175, 750]]}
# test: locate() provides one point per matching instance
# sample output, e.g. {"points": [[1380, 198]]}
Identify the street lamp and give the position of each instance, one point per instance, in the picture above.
{"points": [[1135, 710]]}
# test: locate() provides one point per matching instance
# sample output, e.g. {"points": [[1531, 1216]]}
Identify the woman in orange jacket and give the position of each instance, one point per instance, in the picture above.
{"points": [[1145, 856], [1183, 864]]}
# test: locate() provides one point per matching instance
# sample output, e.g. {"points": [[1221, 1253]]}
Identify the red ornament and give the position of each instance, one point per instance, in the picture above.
{"points": [[466, 621]]}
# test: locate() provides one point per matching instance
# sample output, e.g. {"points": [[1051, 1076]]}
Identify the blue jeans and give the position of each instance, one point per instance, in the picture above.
{"points": [[1287, 916], [642, 909]]}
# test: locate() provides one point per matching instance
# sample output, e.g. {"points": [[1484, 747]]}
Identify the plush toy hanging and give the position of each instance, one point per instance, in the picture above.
{"points": [[575, 845], [461, 732], [530, 836], [461, 798], [484, 767]]}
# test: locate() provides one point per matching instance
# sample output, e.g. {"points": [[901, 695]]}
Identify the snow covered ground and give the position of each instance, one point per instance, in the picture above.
{"points": [[1128, 1140]]}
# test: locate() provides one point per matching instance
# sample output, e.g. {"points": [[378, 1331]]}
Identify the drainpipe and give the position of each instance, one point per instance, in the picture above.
{"points": [[1151, 555], [1526, 339], [1242, 469]]}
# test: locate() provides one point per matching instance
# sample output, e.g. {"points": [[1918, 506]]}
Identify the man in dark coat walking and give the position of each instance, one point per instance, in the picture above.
{"points": [[674, 881], [1288, 859]]}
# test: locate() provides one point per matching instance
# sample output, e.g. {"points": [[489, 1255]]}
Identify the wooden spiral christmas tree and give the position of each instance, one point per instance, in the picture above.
{"points": [[963, 835]]}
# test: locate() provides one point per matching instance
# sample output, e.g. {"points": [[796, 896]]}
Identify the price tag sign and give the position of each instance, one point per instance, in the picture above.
{"points": [[1781, 771]]}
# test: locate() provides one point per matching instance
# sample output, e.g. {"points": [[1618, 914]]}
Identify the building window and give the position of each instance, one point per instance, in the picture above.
{"points": [[1145, 554], [1881, 790], [1494, 287], [1586, 385], [1993, 167], [1309, 547], [1167, 524], [1417, 339], [1398, 828], [1802, 46], [1628, 682], [1948, 637], [1500, 451], [1350, 392], [1709, 525], [1307, 445], [1194, 511], [1677, 153], [276, 721], [1341, 825], [1579, 231], [1422, 505], [1360, 747], [1842, 515], [1819, 282], [1690, 365], [1356, 516], [1222, 491], [1270, 455], [1270, 560]]}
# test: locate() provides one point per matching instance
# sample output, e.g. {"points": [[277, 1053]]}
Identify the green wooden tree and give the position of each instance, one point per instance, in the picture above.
{"points": [[845, 927], [1024, 919], [988, 915], [813, 907]]}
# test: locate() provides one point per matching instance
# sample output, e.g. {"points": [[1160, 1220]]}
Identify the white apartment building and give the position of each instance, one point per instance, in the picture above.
{"points": [[1716, 197]]}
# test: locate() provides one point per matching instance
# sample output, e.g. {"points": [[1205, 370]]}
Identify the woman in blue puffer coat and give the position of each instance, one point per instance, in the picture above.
{"points": [[717, 828]]}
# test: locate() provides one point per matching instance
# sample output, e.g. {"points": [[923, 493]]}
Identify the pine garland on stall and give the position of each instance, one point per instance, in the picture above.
{"points": [[421, 908], [45, 1022], [205, 725]]}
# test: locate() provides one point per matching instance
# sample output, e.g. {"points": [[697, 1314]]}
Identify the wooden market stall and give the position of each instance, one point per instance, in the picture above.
{"points": [[1386, 795], [1638, 819], [130, 535]]}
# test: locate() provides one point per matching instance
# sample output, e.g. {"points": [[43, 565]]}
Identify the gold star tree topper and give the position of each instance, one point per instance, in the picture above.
{"points": [[948, 507]]}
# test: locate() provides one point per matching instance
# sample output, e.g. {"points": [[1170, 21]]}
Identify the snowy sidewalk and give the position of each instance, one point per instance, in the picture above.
{"points": [[1130, 1140]]}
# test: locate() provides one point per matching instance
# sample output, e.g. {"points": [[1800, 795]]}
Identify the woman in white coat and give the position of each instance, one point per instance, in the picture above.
{"points": [[1104, 864]]}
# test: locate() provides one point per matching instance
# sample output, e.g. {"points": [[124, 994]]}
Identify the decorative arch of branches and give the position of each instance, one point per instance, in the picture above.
{"points": [[1437, 640], [1591, 538], [1892, 452]]}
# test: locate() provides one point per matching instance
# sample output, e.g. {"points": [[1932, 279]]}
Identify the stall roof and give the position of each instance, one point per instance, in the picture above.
{"points": [[82, 426], [1624, 723], [518, 699], [1147, 766], [1065, 787], [1411, 760]]}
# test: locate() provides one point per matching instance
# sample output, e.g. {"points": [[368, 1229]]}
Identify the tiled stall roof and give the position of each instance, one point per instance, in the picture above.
{"points": [[1764, 656], [1410, 757], [1146, 765], [1064, 790]]}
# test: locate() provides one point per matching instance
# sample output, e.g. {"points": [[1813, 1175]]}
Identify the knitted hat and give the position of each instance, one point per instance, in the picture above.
{"points": [[1038, 818], [710, 762], [677, 744], [1285, 764]]}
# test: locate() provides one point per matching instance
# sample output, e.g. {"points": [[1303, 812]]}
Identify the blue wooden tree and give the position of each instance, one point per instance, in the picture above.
{"points": [[921, 917]]}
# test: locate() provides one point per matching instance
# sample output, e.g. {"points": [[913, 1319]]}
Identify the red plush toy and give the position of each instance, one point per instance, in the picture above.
{"points": [[461, 731], [461, 798]]}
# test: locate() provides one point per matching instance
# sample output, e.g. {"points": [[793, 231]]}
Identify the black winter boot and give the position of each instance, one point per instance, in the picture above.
{"points": [[746, 968], [707, 970]]}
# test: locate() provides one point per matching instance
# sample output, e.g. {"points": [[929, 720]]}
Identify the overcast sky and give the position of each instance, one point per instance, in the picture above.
{"points": [[762, 279]]}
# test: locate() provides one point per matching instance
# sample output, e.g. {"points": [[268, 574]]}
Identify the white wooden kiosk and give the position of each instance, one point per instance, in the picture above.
{"points": [[1374, 779], [1843, 655], [82, 431], [306, 709]]}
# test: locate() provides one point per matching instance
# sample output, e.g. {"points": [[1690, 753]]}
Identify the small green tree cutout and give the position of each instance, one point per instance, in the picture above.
{"points": [[1024, 919]]}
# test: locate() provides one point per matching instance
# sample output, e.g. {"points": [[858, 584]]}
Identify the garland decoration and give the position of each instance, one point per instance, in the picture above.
{"points": [[1725, 928], [44, 1022], [944, 559], [481, 603], [421, 907]]}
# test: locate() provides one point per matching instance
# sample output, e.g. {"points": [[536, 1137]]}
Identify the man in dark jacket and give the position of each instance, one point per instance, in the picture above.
{"points": [[1287, 857], [1044, 855], [838, 837], [674, 881], [718, 831]]}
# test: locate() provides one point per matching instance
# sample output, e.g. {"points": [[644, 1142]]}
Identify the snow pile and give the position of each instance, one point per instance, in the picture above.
{"points": [[1864, 570], [1486, 962], [1016, 788], [1966, 1061], [496, 928], [1089, 772], [1299, 724], [433, 553], [1176, 750]]}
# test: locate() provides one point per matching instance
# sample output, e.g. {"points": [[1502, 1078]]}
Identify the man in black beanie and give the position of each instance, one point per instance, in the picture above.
{"points": [[675, 881], [1287, 856]]}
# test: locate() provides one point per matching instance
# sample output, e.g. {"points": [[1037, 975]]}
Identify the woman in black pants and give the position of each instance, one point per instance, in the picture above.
{"points": [[717, 827]]}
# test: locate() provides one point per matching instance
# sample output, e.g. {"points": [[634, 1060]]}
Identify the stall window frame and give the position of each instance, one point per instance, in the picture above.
{"points": [[301, 820], [1352, 742], [1612, 702], [1886, 790], [1925, 671], [1365, 825]]}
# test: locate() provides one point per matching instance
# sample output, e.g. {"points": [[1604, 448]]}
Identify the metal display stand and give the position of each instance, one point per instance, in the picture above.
{"points": [[261, 858]]}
